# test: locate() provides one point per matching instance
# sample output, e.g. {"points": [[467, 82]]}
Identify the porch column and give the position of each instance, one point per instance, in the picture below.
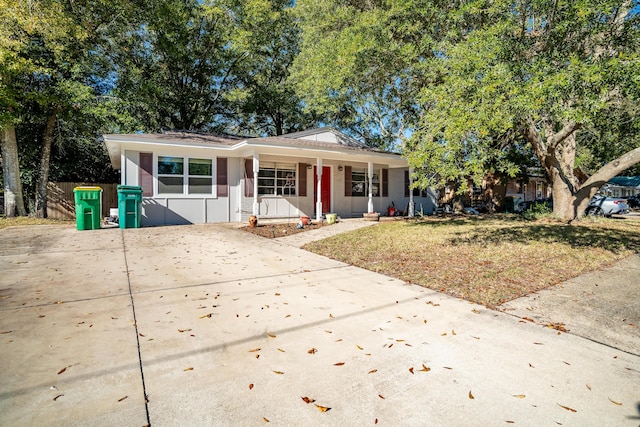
{"points": [[319, 189], [370, 174], [256, 169], [411, 212]]}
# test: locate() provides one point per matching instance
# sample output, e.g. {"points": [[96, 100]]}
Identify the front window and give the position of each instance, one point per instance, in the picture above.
{"points": [[360, 183], [179, 175], [170, 175], [200, 176], [277, 179]]}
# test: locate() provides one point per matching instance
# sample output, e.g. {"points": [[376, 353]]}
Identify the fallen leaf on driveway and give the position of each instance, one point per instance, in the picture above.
{"points": [[58, 397], [278, 372], [184, 330], [271, 335], [265, 420], [471, 395], [122, 398], [312, 350], [424, 368], [251, 386], [62, 370], [614, 402], [206, 315], [567, 408], [519, 396], [322, 408], [381, 396], [307, 400], [358, 347], [411, 370], [373, 371], [254, 350], [281, 350], [189, 369], [338, 364]]}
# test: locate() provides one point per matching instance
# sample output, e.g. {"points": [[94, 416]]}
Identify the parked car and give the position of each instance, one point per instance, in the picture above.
{"points": [[606, 206], [633, 202]]}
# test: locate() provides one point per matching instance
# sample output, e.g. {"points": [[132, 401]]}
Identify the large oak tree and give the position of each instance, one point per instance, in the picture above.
{"points": [[469, 81]]}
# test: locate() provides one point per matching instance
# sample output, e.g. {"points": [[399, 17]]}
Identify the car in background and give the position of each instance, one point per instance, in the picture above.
{"points": [[634, 201], [606, 206]]}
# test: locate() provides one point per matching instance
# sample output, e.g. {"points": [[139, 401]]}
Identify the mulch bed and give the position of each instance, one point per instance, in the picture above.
{"points": [[271, 231]]}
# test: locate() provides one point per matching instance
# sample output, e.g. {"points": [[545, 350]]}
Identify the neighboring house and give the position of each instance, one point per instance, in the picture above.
{"points": [[622, 186], [202, 178]]}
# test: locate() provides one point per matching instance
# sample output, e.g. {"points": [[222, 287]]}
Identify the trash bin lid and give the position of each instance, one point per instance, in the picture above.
{"points": [[87, 188], [129, 188]]}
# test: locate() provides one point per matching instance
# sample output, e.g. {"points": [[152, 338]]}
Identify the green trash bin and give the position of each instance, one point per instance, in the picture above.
{"points": [[88, 207], [129, 206], [510, 203]]}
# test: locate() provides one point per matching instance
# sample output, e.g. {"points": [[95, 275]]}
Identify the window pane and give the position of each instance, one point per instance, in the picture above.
{"points": [[170, 185], [200, 167], [200, 185], [170, 165]]}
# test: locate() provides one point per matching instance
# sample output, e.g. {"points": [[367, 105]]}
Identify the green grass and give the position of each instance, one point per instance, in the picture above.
{"points": [[487, 260], [30, 220]]}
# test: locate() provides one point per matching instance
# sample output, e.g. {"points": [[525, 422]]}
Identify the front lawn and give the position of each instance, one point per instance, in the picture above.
{"points": [[486, 260]]}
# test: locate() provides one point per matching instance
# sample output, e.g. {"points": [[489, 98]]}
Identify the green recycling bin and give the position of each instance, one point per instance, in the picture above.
{"points": [[88, 207], [129, 206]]}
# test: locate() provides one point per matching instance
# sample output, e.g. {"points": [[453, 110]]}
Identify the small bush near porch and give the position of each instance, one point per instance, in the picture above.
{"points": [[487, 260]]}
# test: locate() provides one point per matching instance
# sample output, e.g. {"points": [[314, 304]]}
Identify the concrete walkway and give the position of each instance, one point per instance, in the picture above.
{"points": [[205, 325]]}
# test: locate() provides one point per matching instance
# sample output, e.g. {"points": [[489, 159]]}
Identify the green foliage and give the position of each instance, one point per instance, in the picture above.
{"points": [[537, 211]]}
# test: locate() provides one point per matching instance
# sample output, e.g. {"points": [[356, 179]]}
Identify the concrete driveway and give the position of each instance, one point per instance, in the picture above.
{"points": [[206, 325]]}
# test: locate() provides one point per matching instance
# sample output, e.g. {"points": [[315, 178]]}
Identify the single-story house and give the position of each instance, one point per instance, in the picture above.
{"points": [[202, 178], [622, 186]]}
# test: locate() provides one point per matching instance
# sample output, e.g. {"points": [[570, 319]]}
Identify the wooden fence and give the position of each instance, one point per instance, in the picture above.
{"points": [[61, 201]]}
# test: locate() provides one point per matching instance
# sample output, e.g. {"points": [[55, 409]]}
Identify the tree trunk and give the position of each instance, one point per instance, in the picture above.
{"points": [[561, 162], [43, 172], [13, 199]]}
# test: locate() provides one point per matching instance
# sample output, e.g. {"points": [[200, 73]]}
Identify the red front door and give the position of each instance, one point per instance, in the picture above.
{"points": [[326, 188]]}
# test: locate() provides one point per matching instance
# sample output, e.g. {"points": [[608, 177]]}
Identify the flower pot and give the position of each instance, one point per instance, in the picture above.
{"points": [[331, 218], [305, 220], [253, 221]]}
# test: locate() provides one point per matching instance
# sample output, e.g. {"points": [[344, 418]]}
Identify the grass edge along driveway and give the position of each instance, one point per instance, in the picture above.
{"points": [[487, 260]]}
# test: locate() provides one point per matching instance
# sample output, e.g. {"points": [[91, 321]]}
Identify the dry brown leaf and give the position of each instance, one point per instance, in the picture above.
{"points": [[206, 315], [277, 294], [281, 350], [278, 372], [381, 396], [329, 332], [446, 367], [184, 330], [453, 332], [589, 387], [331, 316], [373, 371], [471, 395], [376, 421], [312, 350], [254, 350], [62, 370], [443, 334], [308, 400], [358, 347], [614, 402], [338, 364], [265, 420], [58, 397], [271, 335], [519, 396], [189, 369], [258, 356], [251, 386], [411, 370], [567, 408], [424, 368], [322, 408], [122, 398]]}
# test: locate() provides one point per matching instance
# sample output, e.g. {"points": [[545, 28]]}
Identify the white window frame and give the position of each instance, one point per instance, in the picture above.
{"points": [[376, 177], [185, 177], [276, 167]]}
